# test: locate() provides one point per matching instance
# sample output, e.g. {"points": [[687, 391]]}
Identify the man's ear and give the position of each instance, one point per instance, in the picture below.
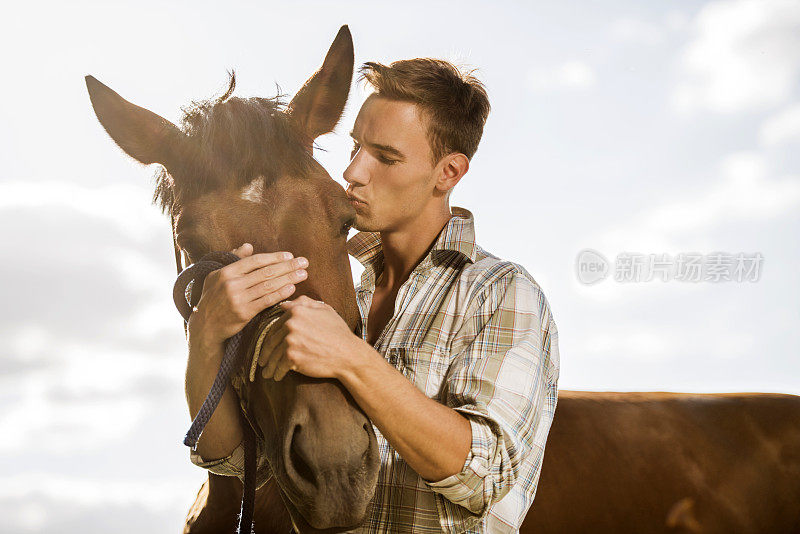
{"points": [[318, 105], [452, 168], [142, 134]]}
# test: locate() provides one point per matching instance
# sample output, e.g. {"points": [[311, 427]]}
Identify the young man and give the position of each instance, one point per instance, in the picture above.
{"points": [[458, 362]]}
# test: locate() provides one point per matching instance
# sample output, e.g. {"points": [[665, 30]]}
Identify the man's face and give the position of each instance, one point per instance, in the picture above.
{"points": [[390, 167]]}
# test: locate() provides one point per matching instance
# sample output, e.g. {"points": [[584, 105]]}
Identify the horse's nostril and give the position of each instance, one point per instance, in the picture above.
{"points": [[365, 454], [298, 458]]}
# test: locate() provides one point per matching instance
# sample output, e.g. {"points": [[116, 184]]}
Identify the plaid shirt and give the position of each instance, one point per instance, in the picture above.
{"points": [[475, 333]]}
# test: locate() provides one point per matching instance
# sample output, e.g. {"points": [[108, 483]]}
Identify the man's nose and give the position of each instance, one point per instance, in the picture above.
{"points": [[356, 172]]}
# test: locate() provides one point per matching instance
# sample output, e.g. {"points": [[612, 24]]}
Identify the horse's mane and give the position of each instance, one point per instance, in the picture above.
{"points": [[231, 141]]}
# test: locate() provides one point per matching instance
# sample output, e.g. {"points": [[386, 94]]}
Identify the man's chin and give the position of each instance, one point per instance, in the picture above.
{"points": [[365, 225]]}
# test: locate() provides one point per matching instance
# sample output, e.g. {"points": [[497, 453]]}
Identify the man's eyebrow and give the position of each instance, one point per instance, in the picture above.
{"points": [[384, 148]]}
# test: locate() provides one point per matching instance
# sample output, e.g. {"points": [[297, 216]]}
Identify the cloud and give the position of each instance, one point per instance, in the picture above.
{"points": [[39, 502], [676, 21], [637, 31], [77, 275], [782, 127], [90, 341], [572, 74], [128, 208], [744, 55], [644, 344], [655, 344], [56, 427], [744, 191]]}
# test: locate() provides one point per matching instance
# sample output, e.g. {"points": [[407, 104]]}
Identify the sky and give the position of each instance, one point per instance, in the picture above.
{"points": [[619, 132]]}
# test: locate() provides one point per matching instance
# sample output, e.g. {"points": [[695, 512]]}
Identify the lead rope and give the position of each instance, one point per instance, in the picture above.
{"points": [[186, 298]]}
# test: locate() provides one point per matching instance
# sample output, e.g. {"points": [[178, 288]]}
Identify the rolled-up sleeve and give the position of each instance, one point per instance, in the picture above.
{"points": [[233, 464], [503, 380]]}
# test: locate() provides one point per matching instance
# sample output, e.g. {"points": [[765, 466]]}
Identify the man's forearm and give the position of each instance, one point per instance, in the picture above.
{"points": [[431, 437], [223, 432]]}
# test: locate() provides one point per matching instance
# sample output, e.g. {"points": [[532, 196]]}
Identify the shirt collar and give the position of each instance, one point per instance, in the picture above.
{"points": [[458, 236]]}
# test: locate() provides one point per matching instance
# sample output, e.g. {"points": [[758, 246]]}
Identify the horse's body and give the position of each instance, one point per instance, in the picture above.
{"points": [[642, 463], [216, 508]]}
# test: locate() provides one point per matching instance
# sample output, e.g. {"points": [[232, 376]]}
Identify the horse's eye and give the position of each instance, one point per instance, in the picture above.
{"points": [[189, 257], [193, 248], [347, 225]]}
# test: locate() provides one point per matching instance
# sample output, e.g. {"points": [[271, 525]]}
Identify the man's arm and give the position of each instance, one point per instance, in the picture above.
{"points": [[432, 438], [312, 339], [502, 380], [231, 297], [223, 432]]}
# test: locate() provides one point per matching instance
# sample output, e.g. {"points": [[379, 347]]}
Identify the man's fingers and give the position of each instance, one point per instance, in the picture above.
{"points": [[275, 284], [276, 275], [245, 250], [303, 300], [270, 299], [283, 367], [272, 364], [255, 261], [274, 337]]}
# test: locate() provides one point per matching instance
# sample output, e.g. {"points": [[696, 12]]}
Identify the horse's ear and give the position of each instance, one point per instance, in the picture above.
{"points": [[318, 105], [143, 135]]}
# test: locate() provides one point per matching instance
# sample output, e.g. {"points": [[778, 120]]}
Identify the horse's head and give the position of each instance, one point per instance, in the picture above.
{"points": [[241, 170]]}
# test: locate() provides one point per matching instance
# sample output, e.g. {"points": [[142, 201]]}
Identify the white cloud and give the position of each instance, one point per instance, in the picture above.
{"points": [[640, 344], [676, 21], [653, 343], [47, 502], [782, 127], [745, 54], [571, 74], [64, 428], [159, 494], [637, 31], [125, 206], [29, 341], [87, 397], [744, 192]]}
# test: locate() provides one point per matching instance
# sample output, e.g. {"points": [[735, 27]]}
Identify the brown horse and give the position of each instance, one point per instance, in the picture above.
{"points": [[657, 462], [241, 170]]}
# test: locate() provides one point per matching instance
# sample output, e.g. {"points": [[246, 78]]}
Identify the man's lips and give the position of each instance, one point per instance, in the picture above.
{"points": [[354, 198]]}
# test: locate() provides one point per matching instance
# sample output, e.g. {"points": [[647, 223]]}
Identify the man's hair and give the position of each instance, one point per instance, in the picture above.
{"points": [[455, 104]]}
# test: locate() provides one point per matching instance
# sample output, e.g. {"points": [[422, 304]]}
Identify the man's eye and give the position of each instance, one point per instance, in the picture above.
{"points": [[381, 158]]}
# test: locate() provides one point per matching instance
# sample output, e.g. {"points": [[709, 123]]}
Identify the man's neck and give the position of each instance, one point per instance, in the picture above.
{"points": [[404, 249]]}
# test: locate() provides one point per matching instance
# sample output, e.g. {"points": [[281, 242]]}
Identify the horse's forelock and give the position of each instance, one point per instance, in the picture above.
{"points": [[230, 141]]}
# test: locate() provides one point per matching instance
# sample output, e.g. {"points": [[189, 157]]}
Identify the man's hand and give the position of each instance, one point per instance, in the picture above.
{"points": [[238, 291], [310, 338]]}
